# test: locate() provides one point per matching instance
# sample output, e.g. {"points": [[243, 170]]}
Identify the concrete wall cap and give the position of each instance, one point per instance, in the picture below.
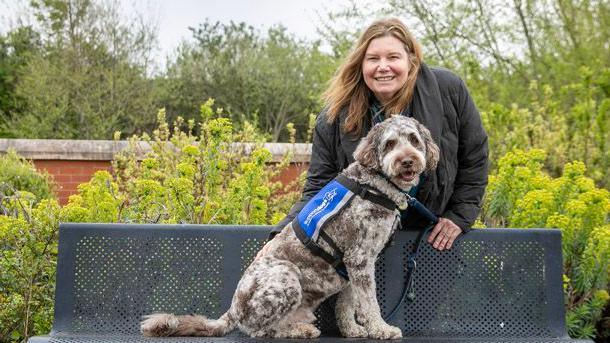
{"points": [[104, 150]]}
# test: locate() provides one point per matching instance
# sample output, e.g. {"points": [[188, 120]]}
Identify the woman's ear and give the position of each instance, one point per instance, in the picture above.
{"points": [[432, 150]]}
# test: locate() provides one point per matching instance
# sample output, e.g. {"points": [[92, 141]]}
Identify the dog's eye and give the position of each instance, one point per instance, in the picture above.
{"points": [[389, 145], [414, 140]]}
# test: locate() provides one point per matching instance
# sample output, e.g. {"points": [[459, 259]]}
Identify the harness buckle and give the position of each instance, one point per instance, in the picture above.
{"points": [[363, 193]]}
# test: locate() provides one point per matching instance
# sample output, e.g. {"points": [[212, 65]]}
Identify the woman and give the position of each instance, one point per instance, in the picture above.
{"points": [[383, 75]]}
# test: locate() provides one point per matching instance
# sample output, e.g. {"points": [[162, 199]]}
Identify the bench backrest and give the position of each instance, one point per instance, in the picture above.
{"points": [[494, 282]]}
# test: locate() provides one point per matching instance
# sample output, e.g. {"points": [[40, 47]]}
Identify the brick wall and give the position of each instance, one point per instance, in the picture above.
{"points": [[68, 174], [72, 162]]}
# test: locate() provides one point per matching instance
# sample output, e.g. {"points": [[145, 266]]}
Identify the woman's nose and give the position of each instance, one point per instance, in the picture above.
{"points": [[383, 65]]}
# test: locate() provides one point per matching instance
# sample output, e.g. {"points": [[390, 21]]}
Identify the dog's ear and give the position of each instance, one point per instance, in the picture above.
{"points": [[432, 151], [366, 152]]}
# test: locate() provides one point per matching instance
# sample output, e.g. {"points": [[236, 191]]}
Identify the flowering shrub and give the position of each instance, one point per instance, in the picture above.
{"points": [[187, 178], [27, 267], [521, 195], [28, 241], [568, 122]]}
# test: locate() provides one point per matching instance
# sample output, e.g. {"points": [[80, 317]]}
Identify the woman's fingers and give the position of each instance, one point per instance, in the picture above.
{"points": [[444, 234]]}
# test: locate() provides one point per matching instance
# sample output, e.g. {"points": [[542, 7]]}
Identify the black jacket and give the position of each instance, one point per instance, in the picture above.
{"points": [[455, 189]]}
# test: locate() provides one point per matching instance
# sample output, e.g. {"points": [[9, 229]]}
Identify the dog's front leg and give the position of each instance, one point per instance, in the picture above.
{"points": [[368, 313], [345, 311]]}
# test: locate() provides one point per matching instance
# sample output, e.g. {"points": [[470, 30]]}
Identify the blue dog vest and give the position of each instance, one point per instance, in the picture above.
{"points": [[308, 225], [329, 201]]}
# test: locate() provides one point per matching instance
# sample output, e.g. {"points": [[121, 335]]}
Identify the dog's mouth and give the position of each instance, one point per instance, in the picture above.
{"points": [[407, 176]]}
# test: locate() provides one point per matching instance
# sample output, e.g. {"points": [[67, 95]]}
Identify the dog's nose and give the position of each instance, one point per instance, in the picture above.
{"points": [[406, 163]]}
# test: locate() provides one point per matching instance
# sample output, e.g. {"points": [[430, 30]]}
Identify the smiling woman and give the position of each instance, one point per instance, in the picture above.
{"points": [[385, 76]]}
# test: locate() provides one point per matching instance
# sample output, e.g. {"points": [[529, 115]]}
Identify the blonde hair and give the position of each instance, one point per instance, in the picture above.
{"points": [[347, 89]]}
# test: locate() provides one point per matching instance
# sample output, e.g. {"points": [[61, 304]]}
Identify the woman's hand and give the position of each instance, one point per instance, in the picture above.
{"points": [[443, 234]]}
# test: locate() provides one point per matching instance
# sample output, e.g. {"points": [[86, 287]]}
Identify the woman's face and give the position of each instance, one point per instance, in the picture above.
{"points": [[385, 67]]}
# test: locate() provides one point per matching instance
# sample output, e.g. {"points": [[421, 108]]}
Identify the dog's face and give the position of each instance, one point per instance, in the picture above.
{"points": [[401, 148]]}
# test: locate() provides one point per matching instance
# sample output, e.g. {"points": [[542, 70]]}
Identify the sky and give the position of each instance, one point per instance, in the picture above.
{"points": [[300, 17]]}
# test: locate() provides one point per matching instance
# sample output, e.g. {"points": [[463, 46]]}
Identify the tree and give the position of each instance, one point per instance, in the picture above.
{"points": [[268, 80], [16, 47], [90, 79]]}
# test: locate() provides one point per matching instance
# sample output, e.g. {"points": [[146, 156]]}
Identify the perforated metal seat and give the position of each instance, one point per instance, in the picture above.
{"points": [[495, 285]]}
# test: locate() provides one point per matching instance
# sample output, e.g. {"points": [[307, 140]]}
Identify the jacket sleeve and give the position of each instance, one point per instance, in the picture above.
{"points": [[469, 187], [323, 167]]}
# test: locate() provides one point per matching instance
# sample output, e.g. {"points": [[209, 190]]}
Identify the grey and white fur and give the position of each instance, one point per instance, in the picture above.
{"points": [[279, 292]]}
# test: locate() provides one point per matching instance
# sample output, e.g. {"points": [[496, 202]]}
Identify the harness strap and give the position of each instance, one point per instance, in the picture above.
{"points": [[365, 193], [336, 260], [338, 256]]}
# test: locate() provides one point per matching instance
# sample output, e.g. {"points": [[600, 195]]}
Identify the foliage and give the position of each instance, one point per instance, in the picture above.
{"points": [[19, 174], [571, 122], [28, 232], [520, 194], [88, 76], [503, 46], [27, 266], [269, 80], [187, 178], [16, 47]]}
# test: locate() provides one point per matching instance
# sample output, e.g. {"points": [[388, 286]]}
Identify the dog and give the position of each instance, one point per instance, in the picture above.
{"points": [[279, 292]]}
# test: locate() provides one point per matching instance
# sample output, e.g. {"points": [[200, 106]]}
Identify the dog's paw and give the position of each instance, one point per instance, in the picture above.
{"points": [[159, 325], [385, 331], [309, 331], [353, 331], [296, 330]]}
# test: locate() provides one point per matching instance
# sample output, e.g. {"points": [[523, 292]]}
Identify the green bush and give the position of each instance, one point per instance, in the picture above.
{"points": [[569, 122], [27, 267], [19, 174], [28, 241], [187, 178], [521, 195]]}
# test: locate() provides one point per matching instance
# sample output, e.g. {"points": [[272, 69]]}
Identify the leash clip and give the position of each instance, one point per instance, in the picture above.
{"points": [[411, 264]]}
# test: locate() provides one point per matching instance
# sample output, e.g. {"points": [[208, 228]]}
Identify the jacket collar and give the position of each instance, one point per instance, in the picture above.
{"points": [[427, 108]]}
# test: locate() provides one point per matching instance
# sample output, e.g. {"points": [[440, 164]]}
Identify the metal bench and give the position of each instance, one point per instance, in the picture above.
{"points": [[495, 285]]}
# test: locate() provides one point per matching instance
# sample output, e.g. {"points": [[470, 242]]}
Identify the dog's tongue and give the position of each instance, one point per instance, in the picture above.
{"points": [[407, 176]]}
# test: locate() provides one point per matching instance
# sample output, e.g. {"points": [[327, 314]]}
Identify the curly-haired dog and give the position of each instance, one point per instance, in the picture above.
{"points": [[279, 291]]}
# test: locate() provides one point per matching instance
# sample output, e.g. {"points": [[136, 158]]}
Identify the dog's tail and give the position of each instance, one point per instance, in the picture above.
{"points": [[165, 324]]}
